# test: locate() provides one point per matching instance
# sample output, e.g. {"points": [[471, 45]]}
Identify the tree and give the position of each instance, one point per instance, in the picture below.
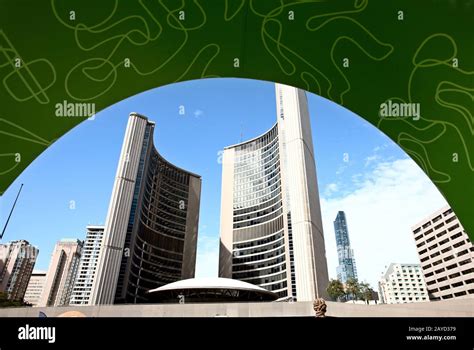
{"points": [[335, 289], [5, 302], [366, 291], [353, 288]]}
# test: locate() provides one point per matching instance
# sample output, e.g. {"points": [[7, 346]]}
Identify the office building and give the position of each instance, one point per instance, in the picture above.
{"points": [[17, 260], [150, 234], [271, 228], [61, 273], [347, 266], [35, 287], [446, 255], [403, 283], [82, 290]]}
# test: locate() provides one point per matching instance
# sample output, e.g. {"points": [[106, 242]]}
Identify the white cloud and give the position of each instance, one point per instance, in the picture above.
{"points": [[382, 147], [198, 113], [357, 178], [207, 260], [330, 189], [341, 169], [371, 159], [376, 154], [387, 201]]}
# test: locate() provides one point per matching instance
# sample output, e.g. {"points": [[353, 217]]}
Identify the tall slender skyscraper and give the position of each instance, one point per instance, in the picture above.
{"points": [[81, 292], [347, 266], [150, 235], [271, 227], [17, 260], [61, 273]]}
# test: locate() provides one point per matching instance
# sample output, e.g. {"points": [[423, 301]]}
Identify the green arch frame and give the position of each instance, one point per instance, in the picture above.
{"points": [[358, 54]]}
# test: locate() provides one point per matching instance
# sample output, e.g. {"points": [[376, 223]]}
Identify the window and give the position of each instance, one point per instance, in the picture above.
{"points": [[463, 252], [420, 244], [457, 284], [447, 212], [418, 237], [442, 233], [447, 249], [452, 218], [457, 235], [444, 241], [454, 275]]}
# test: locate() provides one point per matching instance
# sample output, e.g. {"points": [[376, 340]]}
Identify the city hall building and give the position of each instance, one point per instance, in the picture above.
{"points": [[150, 233], [271, 231]]}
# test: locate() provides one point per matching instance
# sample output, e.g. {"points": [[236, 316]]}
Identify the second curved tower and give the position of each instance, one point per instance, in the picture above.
{"points": [[271, 226]]}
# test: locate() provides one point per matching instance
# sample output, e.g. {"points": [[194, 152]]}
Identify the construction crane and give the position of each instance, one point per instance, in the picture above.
{"points": [[11, 211]]}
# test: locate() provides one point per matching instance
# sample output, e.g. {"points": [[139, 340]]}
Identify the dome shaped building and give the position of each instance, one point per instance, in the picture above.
{"points": [[210, 290]]}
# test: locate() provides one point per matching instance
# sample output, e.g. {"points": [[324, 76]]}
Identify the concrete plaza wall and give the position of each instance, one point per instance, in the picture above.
{"points": [[449, 308]]}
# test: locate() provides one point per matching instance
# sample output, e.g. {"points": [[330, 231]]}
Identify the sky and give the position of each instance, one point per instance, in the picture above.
{"points": [[359, 169]]}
